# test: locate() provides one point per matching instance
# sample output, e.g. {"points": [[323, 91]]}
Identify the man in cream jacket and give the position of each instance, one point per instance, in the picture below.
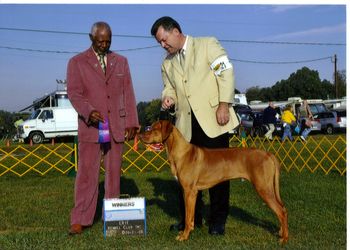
{"points": [[198, 81]]}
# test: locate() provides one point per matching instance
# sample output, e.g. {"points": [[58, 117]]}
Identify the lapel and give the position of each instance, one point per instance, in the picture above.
{"points": [[189, 54], [94, 63], [111, 64], [189, 57], [176, 64]]}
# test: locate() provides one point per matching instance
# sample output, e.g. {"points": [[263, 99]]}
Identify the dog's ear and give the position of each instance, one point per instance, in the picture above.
{"points": [[167, 128], [156, 125]]}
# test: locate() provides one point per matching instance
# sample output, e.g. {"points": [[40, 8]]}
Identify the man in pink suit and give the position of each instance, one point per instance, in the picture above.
{"points": [[99, 87]]}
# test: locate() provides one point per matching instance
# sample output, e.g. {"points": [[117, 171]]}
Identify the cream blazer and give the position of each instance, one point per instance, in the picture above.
{"points": [[197, 88]]}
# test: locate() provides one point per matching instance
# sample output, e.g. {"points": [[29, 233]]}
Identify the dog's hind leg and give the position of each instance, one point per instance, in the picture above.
{"points": [[268, 195], [190, 203], [284, 224]]}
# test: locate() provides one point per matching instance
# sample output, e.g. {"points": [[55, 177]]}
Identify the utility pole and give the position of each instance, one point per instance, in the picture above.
{"points": [[335, 77]]}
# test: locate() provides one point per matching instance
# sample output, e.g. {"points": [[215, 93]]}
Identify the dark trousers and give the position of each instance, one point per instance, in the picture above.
{"points": [[219, 194]]}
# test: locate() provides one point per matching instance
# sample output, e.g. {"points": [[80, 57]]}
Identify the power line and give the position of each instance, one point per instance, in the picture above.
{"points": [[290, 62], [69, 52], [148, 37], [38, 50], [155, 46], [68, 32], [284, 43]]}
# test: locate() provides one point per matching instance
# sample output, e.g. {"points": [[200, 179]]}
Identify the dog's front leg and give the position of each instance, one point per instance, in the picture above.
{"points": [[190, 204]]}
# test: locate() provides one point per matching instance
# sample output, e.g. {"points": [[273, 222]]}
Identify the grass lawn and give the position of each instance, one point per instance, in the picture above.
{"points": [[35, 211]]}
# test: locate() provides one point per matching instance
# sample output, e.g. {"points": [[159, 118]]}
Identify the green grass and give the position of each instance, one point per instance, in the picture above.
{"points": [[35, 212]]}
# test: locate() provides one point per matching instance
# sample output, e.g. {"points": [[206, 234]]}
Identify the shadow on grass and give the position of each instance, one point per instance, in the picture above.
{"points": [[167, 198], [240, 214], [125, 184], [166, 193]]}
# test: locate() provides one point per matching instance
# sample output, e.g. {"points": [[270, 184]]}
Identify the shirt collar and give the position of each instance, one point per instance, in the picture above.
{"points": [[98, 54], [185, 46]]}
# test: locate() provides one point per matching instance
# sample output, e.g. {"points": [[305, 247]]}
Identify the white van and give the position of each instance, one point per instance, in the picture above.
{"points": [[50, 122]]}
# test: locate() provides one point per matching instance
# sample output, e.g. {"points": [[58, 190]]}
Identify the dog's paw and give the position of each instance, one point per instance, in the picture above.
{"points": [[181, 236], [280, 232], [283, 241]]}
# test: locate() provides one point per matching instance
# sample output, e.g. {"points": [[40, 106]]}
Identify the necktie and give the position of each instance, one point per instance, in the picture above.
{"points": [[101, 58], [182, 58]]}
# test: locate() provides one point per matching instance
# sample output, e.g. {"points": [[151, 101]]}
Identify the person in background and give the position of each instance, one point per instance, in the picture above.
{"points": [[198, 81], [306, 119], [269, 118], [288, 120], [100, 89]]}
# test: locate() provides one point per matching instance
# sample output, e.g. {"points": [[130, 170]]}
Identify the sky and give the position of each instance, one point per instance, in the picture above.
{"points": [[265, 42]]}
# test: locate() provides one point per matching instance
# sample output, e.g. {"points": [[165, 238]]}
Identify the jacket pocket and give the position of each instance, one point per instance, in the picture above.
{"points": [[214, 101], [122, 113]]}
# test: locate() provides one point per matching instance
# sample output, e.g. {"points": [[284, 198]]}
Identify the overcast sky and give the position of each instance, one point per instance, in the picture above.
{"points": [[266, 43]]}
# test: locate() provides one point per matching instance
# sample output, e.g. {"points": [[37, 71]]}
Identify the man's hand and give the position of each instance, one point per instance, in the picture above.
{"points": [[167, 102], [95, 117], [223, 114], [130, 133]]}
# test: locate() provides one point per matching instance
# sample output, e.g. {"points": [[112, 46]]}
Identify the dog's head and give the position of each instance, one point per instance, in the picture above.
{"points": [[158, 133]]}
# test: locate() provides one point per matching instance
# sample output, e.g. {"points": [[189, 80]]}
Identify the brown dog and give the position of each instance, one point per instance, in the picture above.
{"points": [[199, 168]]}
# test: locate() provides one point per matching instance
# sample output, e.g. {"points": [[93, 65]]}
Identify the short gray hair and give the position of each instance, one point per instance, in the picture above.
{"points": [[98, 25]]}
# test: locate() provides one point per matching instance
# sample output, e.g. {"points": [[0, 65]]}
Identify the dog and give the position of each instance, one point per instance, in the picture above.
{"points": [[198, 168]]}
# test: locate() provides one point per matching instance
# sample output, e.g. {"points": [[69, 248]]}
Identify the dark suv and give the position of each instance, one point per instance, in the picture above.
{"points": [[245, 116], [260, 129]]}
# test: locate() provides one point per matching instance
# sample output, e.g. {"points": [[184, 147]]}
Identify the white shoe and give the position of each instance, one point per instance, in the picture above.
{"points": [[302, 138]]}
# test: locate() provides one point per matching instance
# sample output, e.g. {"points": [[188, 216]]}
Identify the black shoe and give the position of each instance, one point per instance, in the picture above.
{"points": [[181, 226], [177, 227], [217, 229]]}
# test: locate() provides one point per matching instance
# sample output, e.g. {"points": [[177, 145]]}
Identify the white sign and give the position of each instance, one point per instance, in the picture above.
{"points": [[124, 216]]}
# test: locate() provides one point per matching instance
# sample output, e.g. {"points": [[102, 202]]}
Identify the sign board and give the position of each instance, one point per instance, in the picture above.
{"points": [[124, 216]]}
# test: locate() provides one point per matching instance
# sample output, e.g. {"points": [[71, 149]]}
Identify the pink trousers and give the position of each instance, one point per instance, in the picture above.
{"points": [[87, 179]]}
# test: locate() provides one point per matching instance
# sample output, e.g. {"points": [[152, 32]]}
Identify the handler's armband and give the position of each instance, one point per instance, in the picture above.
{"points": [[220, 64]]}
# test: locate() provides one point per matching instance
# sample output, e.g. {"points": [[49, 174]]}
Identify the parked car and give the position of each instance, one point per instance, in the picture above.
{"points": [[327, 120], [260, 129], [258, 125], [246, 120], [47, 123], [341, 118], [245, 116]]}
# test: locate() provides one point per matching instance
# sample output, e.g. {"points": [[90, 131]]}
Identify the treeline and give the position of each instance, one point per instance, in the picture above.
{"points": [[304, 83]]}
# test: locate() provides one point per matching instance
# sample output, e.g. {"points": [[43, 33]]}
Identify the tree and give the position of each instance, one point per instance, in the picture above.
{"points": [[307, 84], [304, 83], [341, 82], [253, 93], [141, 107], [266, 94], [7, 127], [152, 111]]}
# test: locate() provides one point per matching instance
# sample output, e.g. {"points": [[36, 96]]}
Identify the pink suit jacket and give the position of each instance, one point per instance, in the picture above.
{"points": [[111, 94]]}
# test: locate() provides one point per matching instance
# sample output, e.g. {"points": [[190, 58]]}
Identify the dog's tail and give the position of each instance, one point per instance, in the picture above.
{"points": [[277, 180]]}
